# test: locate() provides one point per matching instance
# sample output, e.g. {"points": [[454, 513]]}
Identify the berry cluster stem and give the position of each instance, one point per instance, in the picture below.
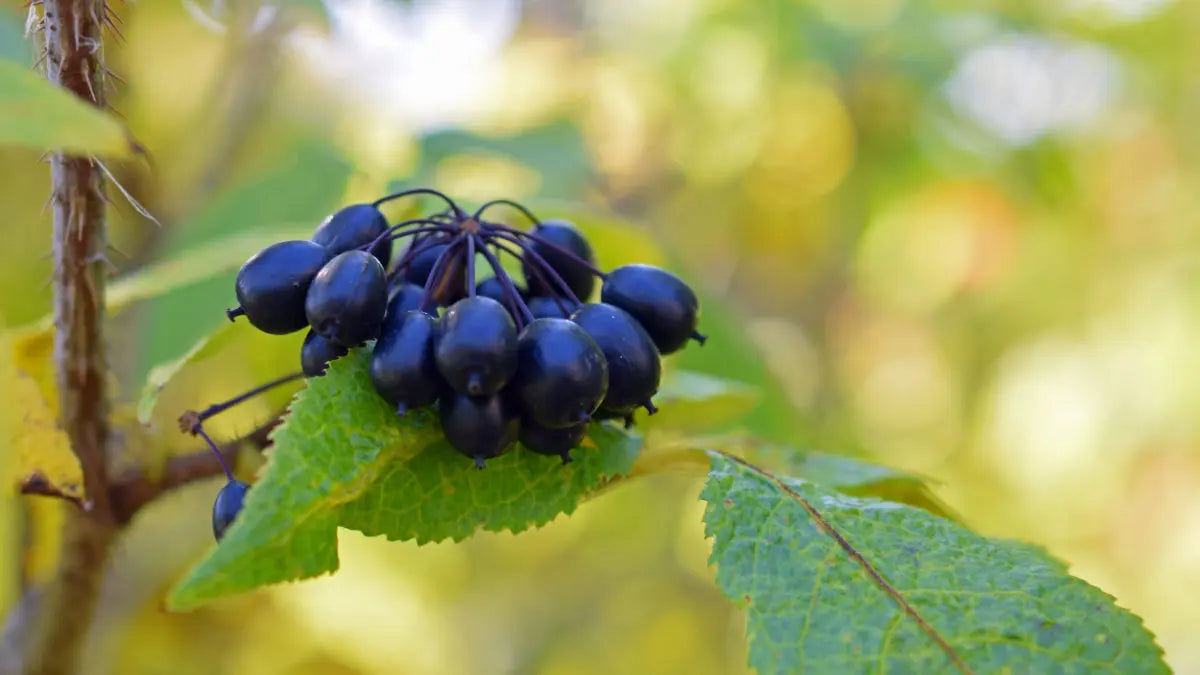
{"points": [[225, 405], [512, 232], [435, 273], [541, 268], [74, 60], [510, 290]]}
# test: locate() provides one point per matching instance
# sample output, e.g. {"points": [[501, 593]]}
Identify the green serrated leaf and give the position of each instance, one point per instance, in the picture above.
{"points": [[337, 438], [838, 584], [437, 495], [691, 402], [36, 114], [343, 456], [864, 479]]}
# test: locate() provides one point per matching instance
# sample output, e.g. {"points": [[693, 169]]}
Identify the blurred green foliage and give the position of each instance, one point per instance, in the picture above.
{"points": [[960, 242]]}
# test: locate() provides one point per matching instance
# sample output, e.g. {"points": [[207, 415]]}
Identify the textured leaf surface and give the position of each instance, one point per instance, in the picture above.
{"points": [[863, 479], [337, 437], [39, 115], [344, 457], [438, 494], [872, 586]]}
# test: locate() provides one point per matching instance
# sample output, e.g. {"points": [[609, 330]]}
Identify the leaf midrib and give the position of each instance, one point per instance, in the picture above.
{"points": [[823, 525]]}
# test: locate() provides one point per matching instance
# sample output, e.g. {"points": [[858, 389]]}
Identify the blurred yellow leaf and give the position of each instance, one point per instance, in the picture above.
{"points": [[31, 352], [46, 464], [37, 114]]}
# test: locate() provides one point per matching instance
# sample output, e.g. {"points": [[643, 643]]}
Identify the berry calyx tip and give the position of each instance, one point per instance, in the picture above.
{"points": [[475, 384]]}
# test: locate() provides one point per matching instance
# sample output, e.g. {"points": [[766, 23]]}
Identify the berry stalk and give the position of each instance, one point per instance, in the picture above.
{"points": [[539, 261], [514, 232], [191, 421], [420, 191], [506, 202], [439, 266], [525, 316], [417, 247]]}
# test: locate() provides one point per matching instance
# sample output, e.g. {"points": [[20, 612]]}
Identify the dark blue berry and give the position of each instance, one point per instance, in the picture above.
{"points": [[634, 365], [452, 283], [493, 288], [543, 307], [403, 369], [227, 506], [272, 285], [352, 227], [317, 352], [404, 297], [348, 298], [561, 373], [480, 427], [563, 235], [665, 306], [477, 348], [557, 442]]}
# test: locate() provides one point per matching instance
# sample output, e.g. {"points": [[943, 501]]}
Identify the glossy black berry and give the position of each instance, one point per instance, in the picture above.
{"points": [[354, 226], [404, 297], [634, 366], [272, 285], [317, 352], [561, 373], [480, 427], [494, 289], [563, 235], [348, 298], [402, 366], [452, 284], [227, 506], [556, 442], [543, 307], [665, 306], [477, 348]]}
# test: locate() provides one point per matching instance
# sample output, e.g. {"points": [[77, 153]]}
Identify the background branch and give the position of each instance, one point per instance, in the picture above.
{"points": [[135, 488]]}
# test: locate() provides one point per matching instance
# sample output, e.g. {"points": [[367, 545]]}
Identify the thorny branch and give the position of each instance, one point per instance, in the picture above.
{"points": [[74, 60]]}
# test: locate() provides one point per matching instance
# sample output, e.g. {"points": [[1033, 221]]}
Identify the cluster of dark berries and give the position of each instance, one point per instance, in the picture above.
{"points": [[503, 360]]}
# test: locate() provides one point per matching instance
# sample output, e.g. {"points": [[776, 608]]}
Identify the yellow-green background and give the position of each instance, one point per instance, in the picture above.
{"points": [[960, 241]]}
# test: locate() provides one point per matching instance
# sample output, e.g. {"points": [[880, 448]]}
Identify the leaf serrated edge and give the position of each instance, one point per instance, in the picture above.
{"points": [[827, 528], [605, 481]]}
